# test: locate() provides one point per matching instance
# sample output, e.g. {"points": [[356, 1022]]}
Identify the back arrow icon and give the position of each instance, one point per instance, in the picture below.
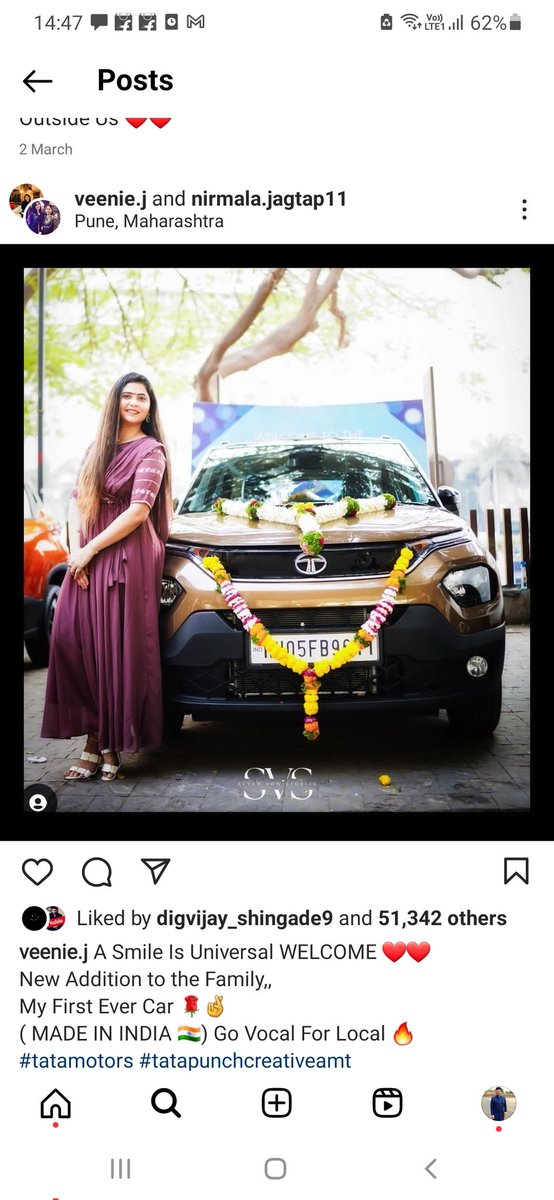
{"points": [[428, 1168], [29, 81]]}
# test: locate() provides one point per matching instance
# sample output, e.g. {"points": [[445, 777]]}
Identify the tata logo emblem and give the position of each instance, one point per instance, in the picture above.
{"points": [[308, 564]]}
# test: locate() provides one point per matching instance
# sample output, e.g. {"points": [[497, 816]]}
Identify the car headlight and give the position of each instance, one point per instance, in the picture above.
{"points": [[470, 586], [171, 590]]}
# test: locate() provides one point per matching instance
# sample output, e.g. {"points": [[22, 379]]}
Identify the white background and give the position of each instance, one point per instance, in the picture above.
{"points": [[435, 136], [477, 1008]]}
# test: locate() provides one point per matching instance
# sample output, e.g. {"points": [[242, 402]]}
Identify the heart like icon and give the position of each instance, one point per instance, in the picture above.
{"points": [[395, 950], [160, 121], [418, 950], [136, 121], [37, 869]]}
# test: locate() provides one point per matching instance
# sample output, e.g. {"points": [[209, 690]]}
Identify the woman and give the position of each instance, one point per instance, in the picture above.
{"points": [[34, 217], [49, 220], [104, 677]]}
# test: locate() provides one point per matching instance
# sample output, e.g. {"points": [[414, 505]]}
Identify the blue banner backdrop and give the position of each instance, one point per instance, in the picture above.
{"points": [[399, 419]]}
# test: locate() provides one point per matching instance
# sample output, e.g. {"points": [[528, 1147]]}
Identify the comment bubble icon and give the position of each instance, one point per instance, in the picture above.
{"points": [[97, 872], [98, 19]]}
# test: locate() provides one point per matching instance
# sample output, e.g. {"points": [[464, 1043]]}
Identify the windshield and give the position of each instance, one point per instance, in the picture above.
{"points": [[287, 474]]}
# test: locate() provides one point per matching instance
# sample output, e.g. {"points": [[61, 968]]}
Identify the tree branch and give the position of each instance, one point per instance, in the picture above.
{"points": [[127, 330], [488, 273], [468, 272], [212, 364], [285, 337], [344, 339]]}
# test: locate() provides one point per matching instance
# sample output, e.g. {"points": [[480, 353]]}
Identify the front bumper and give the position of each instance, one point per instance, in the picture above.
{"points": [[423, 667]]}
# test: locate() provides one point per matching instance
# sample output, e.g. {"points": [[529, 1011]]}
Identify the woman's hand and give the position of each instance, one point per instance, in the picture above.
{"points": [[82, 579], [78, 565]]}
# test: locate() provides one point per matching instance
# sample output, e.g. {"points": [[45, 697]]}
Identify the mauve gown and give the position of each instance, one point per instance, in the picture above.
{"points": [[104, 672]]}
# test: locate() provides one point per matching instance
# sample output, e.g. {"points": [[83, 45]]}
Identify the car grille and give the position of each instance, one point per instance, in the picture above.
{"points": [[277, 620], [260, 682], [398, 677], [342, 561]]}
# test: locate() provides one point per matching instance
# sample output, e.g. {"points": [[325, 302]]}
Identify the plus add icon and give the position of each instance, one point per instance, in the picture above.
{"points": [[276, 1102]]}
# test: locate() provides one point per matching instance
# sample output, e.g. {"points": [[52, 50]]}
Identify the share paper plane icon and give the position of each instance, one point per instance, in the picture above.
{"points": [[156, 866]]}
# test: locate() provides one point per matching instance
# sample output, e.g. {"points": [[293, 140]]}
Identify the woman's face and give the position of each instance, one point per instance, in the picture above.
{"points": [[38, 206], [134, 405], [48, 210]]}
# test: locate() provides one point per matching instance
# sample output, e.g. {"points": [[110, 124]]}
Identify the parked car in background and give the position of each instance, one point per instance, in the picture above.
{"points": [[441, 648], [44, 564]]}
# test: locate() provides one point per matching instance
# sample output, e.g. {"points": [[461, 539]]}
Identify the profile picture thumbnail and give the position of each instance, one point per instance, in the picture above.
{"points": [[23, 195], [42, 217], [56, 916], [498, 1103]]}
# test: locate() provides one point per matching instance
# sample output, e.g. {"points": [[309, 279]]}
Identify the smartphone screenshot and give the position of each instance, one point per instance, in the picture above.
{"points": [[276, 875]]}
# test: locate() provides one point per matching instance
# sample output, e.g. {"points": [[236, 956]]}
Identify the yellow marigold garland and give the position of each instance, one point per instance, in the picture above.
{"points": [[311, 674]]}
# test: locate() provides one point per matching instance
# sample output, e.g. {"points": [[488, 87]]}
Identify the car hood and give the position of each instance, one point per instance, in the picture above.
{"points": [[405, 522]]}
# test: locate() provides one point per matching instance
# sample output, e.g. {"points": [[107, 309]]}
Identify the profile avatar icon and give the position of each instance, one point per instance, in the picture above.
{"points": [[56, 918], [42, 217], [498, 1103], [34, 918]]}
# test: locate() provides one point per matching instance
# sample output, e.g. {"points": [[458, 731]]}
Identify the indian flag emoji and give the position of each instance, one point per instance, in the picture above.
{"points": [[189, 1033]]}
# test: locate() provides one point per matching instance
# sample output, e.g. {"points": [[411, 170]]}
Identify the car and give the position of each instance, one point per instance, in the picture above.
{"points": [[442, 646], [45, 564]]}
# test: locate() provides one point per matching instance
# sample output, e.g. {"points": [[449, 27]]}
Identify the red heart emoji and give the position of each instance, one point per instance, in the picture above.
{"points": [[418, 950], [136, 121], [394, 950], [160, 121]]}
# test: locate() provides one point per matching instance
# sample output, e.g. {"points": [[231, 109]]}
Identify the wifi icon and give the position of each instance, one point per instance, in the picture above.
{"points": [[411, 19]]}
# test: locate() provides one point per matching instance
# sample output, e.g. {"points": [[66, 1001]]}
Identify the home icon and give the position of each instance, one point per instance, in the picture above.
{"points": [[55, 1105]]}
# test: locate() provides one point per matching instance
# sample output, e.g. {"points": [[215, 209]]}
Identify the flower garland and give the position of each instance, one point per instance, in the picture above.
{"points": [[307, 517], [311, 674]]}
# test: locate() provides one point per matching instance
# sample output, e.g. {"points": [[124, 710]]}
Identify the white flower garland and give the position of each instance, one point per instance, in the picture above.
{"points": [[305, 516]]}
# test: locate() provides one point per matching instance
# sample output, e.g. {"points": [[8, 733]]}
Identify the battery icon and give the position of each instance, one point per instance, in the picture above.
{"points": [[515, 21]]}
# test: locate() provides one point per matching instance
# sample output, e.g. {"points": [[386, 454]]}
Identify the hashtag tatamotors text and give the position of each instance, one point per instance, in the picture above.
{"points": [[164, 1062]]}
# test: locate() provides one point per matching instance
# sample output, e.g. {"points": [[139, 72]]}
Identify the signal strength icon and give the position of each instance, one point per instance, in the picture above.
{"points": [[458, 23], [410, 19]]}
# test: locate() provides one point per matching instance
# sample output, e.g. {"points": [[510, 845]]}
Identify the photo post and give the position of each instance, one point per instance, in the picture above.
{"points": [[344, 537]]}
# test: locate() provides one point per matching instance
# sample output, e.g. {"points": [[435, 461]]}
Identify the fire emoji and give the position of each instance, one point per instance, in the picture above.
{"points": [[403, 1037]]}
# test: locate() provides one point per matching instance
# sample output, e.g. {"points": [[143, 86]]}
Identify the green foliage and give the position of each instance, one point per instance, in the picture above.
{"points": [[101, 322]]}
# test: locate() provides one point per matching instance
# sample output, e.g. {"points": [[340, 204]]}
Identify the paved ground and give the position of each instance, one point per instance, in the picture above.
{"points": [[203, 770]]}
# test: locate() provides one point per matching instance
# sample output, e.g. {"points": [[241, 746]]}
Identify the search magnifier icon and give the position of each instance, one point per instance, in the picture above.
{"points": [[165, 1108]]}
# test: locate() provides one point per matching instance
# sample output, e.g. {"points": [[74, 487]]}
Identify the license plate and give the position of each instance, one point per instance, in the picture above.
{"points": [[313, 646]]}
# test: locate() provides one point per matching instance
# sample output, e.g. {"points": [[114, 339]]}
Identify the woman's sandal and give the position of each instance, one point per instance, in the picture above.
{"points": [[110, 770], [77, 773]]}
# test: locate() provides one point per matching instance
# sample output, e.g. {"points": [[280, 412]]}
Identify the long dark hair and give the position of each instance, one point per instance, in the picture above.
{"points": [[102, 451]]}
